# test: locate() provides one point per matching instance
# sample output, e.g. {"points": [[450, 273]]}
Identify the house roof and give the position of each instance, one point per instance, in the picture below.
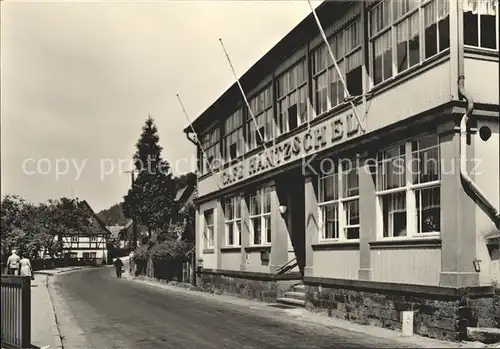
{"points": [[301, 35], [96, 218]]}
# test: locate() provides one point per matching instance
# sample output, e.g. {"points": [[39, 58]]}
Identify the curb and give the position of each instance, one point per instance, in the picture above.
{"points": [[56, 333], [50, 272]]}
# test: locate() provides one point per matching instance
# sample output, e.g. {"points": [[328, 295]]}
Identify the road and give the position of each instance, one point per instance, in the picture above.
{"points": [[120, 313]]}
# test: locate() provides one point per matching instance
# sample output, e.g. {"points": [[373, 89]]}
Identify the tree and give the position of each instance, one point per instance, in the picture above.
{"points": [[38, 229], [150, 201], [113, 215]]}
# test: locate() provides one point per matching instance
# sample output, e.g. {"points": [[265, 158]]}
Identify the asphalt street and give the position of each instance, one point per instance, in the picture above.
{"points": [[120, 313]]}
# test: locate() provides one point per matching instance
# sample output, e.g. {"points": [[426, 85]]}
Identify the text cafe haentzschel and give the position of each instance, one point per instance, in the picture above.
{"points": [[305, 143]]}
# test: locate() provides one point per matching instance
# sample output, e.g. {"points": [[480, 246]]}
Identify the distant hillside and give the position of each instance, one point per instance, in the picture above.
{"points": [[114, 215]]}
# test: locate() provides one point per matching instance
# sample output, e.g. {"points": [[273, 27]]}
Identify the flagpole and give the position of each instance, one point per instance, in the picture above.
{"points": [[198, 140], [243, 94], [346, 91]]}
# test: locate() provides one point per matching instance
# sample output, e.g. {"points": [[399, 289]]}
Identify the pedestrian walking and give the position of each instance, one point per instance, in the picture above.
{"points": [[13, 263], [25, 267], [118, 267]]}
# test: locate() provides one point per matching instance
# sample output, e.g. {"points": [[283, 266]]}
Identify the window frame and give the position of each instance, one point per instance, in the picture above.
{"points": [[341, 201], [408, 188], [211, 143], [328, 71], [237, 123], [497, 29], [74, 238], [266, 112], [391, 29], [265, 217], [235, 221], [209, 229], [285, 76]]}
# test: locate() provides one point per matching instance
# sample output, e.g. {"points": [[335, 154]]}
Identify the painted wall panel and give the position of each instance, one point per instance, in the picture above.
{"points": [[254, 264], [338, 264], [419, 93], [419, 266], [481, 80], [231, 260]]}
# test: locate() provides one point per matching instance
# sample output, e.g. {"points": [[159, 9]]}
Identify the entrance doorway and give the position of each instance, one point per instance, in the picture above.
{"points": [[290, 191]]}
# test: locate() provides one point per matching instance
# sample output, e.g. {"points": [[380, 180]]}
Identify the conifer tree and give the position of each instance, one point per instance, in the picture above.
{"points": [[150, 201]]}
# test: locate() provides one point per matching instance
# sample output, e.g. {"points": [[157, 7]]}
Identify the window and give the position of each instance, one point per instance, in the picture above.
{"points": [[93, 255], [338, 187], [74, 238], [327, 86], [93, 239], [86, 255], [232, 212], [481, 23], [211, 144], [233, 136], [436, 17], [408, 188], [209, 228], [292, 98], [74, 255], [260, 216], [262, 109], [405, 34]]}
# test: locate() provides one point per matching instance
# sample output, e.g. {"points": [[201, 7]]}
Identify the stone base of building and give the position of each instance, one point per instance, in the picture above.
{"points": [[259, 286], [439, 312]]}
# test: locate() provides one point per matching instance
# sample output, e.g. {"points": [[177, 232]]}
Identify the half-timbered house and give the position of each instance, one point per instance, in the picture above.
{"points": [[91, 246]]}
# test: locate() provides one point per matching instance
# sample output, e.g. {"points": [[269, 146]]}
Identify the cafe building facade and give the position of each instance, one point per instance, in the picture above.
{"points": [[362, 200]]}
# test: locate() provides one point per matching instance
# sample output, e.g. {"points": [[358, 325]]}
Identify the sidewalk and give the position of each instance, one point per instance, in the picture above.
{"points": [[44, 330], [304, 315]]}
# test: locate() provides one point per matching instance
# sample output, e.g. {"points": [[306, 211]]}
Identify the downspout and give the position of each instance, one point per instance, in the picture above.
{"points": [[492, 210]]}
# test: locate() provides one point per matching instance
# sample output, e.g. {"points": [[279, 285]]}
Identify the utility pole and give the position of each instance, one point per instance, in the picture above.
{"points": [[134, 227]]}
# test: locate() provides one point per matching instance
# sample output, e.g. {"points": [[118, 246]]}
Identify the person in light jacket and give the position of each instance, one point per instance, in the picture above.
{"points": [[13, 263]]}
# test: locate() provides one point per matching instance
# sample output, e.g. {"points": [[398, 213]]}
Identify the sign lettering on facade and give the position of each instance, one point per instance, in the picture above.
{"points": [[308, 142]]}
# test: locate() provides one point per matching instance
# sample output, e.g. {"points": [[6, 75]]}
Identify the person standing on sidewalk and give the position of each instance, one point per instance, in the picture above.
{"points": [[13, 263], [118, 267], [25, 266]]}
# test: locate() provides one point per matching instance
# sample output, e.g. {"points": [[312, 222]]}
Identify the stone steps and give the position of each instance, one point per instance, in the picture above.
{"points": [[296, 298]]}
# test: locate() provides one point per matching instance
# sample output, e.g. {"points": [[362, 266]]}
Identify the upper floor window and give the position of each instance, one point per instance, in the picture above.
{"points": [[232, 213], [74, 238], [211, 144], [234, 145], [481, 23], [408, 188], [93, 239], [338, 200], [262, 109], [208, 230], [405, 34], [327, 86], [292, 97], [260, 216]]}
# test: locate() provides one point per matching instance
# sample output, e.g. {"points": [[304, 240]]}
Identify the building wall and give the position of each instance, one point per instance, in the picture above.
{"points": [[477, 68], [487, 177]]}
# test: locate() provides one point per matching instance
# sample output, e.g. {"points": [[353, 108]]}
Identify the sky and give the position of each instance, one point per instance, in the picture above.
{"points": [[79, 79]]}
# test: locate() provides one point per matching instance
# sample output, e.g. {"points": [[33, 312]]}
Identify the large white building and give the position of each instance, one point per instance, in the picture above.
{"points": [[370, 218]]}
